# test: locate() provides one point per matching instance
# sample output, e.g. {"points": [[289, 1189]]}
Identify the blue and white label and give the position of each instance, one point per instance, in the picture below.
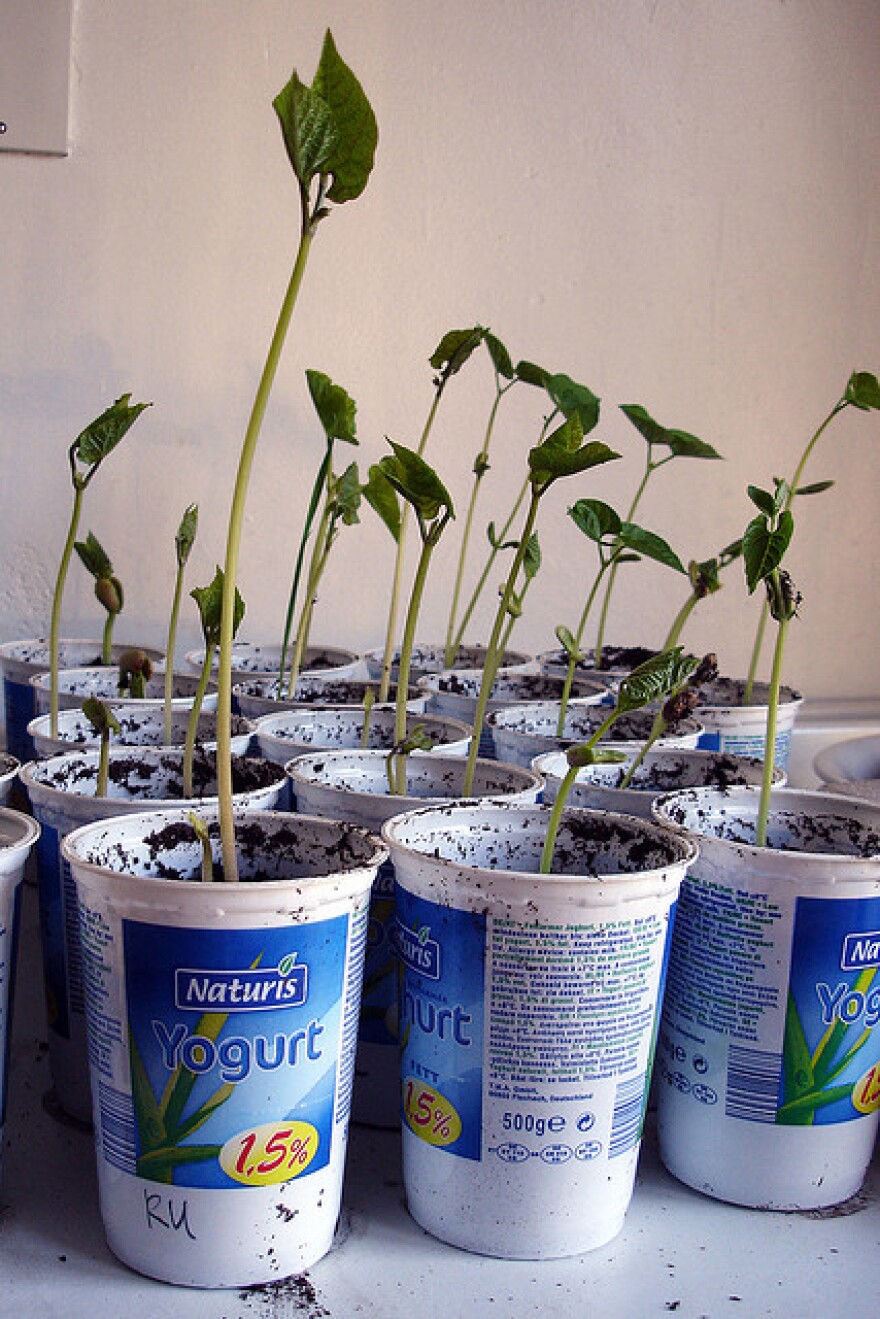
{"points": [[227, 1060]]}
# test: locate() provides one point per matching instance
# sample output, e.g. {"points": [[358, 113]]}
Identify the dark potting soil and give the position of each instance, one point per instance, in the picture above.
{"points": [[520, 687], [613, 657], [730, 692], [292, 855], [133, 774], [721, 772], [788, 831]]}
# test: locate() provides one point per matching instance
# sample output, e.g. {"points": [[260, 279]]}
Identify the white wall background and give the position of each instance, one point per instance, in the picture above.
{"points": [[676, 203]]}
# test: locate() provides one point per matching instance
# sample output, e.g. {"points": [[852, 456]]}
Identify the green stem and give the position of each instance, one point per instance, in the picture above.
{"points": [[391, 626], [650, 468], [573, 659], [480, 469], [658, 727], [758, 643], [169, 654], [493, 649], [103, 764], [107, 641], [679, 621], [481, 580], [406, 649], [317, 489], [230, 575], [320, 551], [555, 817], [192, 724], [770, 740], [55, 620]]}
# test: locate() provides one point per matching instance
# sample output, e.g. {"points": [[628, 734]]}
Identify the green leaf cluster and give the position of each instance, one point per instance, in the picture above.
{"points": [[329, 131], [209, 600], [564, 453], [100, 438]]}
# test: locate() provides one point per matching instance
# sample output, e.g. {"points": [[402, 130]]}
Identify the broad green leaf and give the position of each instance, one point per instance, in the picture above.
{"points": [[335, 407], [568, 643], [595, 518], [350, 159], [680, 443], [817, 488], [763, 500], [531, 374], [93, 556], [532, 558], [454, 349], [580, 756], [703, 577], [186, 534], [382, 498], [100, 716], [103, 434], [499, 354], [573, 400], [730, 552], [650, 546], [564, 454], [209, 600], [345, 492], [863, 390], [656, 678], [308, 128], [764, 549], [416, 482], [496, 543]]}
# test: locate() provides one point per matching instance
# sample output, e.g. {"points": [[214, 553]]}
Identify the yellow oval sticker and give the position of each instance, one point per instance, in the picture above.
{"points": [[429, 1114], [272, 1152], [866, 1091]]}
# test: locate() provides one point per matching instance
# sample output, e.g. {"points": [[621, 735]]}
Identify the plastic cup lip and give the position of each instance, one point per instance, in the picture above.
{"points": [[18, 831], [742, 803], [394, 834], [308, 768], [342, 879]]}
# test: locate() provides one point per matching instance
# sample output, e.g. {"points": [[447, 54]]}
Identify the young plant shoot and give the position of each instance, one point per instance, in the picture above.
{"points": [[705, 580], [203, 837], [862, 392], [670, 443], [108, 589], [419, 486], [616, 542], [209, 600], [135, 671], [563, 453], [183, 543], [651, 681], [336, 412], [330, 135], [505, 379], [765, 542], [342, 497], [681, 702], [85, 456], [450, 355], [104, 722], [568, 399]]}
